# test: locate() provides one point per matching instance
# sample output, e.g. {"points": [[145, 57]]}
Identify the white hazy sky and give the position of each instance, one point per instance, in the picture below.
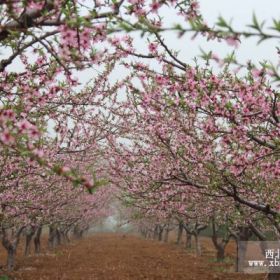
{"points": [[240, 11]]}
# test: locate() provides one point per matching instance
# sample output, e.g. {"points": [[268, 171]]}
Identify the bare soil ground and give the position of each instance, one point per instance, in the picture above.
{"points": [[123, 257]]}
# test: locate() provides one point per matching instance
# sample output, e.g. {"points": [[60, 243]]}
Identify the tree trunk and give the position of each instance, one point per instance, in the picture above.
{"points": [[242, 248], [37, 240], [243, 234], [180, 232], [220, 253], [219, 245], [28, 240], [67, 236], [188, 240], [155, 232], [11, 246], [197, 245], [160, 232], [51, 237], [145, 233], [78, 233], [11, 258], [81, 233], [57, 237], [166, 234], [63, 238]]}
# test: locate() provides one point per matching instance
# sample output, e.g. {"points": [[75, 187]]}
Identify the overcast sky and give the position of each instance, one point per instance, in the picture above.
{"points": [[240, 11]]}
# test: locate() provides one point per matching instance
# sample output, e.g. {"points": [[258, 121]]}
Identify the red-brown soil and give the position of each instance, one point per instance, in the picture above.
{"points": [[122, 257]]}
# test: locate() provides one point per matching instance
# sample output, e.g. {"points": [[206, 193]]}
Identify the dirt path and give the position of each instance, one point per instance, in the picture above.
{"points": [[119, 257]]}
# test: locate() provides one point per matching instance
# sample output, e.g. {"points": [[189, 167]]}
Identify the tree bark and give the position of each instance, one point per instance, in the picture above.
{"points": [[51, 237], [155, 232], [180, 232], [37, 240], [197, 245], [11, 258], [160, 233], [219, 245], [188, 240], [11, 246], [28, 239], [166, 234], [57, 237], [243, 234], [67, 236]]}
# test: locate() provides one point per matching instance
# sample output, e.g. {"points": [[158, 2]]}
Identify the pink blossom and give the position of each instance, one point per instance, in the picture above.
{"points": [[7, 138], [24, 125], [65, 169], [153, 48], [233, 42]]}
